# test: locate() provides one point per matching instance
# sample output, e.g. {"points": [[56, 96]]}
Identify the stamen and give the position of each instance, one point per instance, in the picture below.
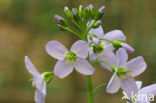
{"points": [[130, 76], [30, 80], [99, 48], [122, 73], [34, 85], [71, 57]]}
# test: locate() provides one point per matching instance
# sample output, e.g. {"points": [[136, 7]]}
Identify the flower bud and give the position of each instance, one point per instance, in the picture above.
{"points": [[47, 76], [90, 6], [128, 48], [101, 10], [68, 12], [90, 11], [75, 14], [95, 40], [100, 13], [58, 18], [96, 24], [118, 43], [81, 10], [113, 68], [66, 8], [61, 21]]}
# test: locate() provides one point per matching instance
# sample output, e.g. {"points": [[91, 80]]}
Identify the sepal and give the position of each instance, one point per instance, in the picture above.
{"points": [[47, 76]]}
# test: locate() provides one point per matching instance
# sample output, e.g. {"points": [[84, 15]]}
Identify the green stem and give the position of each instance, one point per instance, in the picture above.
{"points": [[74, 32], [77, 25], [106, 40], [99, 86], [89, 89], [97, 61]]}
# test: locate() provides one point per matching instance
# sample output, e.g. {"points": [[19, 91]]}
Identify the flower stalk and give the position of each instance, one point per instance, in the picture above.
{"points": [[89, 89]]}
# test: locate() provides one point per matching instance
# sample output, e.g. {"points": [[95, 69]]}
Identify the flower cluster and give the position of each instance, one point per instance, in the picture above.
{"points": [[109, 49]]}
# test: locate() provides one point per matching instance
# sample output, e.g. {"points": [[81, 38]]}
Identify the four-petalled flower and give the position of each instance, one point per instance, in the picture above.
{"points": [[145, 94], [75, 58], [38, 81], [103, 43], [123, 72]]}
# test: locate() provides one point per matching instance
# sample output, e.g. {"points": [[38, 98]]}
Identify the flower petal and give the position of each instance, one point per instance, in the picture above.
{"points": [[83, 67], [40, 84], [39, 96], [92, 55], [81, 48], [115, 35], [142, 102], [114, 84], [61, 69], [30, 67], [137, 66], [108, 56], [129, 87], [122, 57], [56, 50], [139, 84], [149, 90], [98, 32], [128, 48]]}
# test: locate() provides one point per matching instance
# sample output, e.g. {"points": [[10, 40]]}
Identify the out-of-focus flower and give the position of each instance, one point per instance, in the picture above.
{"points": [[75, 58], [144, 94], [37, 82], [123, 72]]}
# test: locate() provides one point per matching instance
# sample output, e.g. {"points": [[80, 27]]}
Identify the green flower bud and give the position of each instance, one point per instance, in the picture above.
{"points": [[99, 14], [81, 10], [47, 76], [117, 44], [64, 23], [68, 12], [75, 14], [61, 21], [113, 68], [90, 11], [96, 24], [91, 36]]}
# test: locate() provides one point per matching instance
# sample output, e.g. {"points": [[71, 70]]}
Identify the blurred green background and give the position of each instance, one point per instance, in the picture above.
{"points": [[27, 25]]}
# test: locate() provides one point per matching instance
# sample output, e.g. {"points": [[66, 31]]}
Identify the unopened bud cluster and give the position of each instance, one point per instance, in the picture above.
{"points": [[85, 18]]}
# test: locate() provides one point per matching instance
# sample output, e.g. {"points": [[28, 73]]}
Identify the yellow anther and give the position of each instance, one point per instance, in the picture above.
{"points": [[130, 76], [31, 80], [72, 62], [34, 85], [68, 63]]}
